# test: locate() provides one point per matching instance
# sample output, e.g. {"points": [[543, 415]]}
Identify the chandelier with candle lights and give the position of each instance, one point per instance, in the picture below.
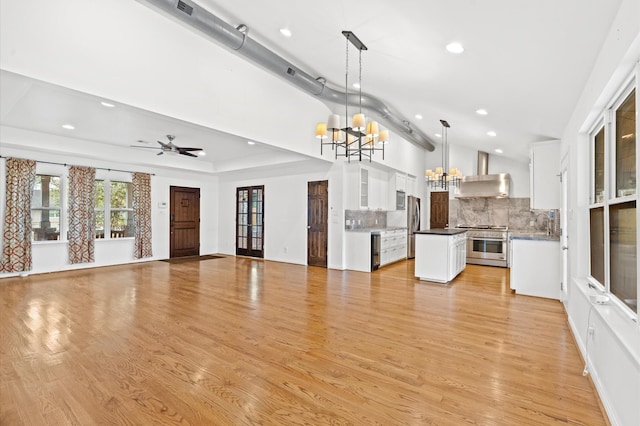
{"points": [[444, 176], [361, 139]]}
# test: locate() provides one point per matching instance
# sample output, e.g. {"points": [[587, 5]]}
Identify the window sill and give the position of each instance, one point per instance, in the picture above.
{"points": [[617, 319], [48, 242]]}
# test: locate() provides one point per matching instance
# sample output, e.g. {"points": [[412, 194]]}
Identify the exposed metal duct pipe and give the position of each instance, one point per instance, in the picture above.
{"points": [[239, 41]]}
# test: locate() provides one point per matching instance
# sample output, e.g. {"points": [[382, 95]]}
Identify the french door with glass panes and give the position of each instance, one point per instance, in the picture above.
{"points": [[250, 221]]}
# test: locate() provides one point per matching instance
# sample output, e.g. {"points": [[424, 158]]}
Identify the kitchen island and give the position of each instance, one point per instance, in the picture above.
{"points": [[441, 254]]}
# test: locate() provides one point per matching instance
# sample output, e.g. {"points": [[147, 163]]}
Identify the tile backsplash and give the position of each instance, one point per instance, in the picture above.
{"points": [[365, 219], [512, 212]]}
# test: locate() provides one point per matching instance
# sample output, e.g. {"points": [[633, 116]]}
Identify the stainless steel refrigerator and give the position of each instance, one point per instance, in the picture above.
{"points": [[413, 224]]}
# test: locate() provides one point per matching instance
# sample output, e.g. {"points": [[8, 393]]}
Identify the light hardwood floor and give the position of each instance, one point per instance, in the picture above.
{"points": [[238, 341]]}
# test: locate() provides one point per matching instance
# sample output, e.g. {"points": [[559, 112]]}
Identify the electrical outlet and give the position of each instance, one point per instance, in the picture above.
{"points": [[592, 331]]}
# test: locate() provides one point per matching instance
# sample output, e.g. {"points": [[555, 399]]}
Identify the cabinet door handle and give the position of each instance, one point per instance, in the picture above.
{"points": [[565, 248]]}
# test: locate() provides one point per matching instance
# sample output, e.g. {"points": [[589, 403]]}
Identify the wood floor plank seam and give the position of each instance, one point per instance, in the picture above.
{"points": [[240, 341]]}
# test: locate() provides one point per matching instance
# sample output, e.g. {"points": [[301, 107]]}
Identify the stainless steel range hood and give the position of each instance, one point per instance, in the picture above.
{"points": [[484, 185]]}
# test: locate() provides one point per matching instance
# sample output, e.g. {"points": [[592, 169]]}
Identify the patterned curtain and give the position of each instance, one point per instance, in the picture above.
{"points": [[82, 222], [16, 240], [142, 215]]}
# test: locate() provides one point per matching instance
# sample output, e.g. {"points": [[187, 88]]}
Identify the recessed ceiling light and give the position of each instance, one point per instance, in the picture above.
{"points": [[285, 32], [107, 104], [481, 112], [438, 135], [491, 133], [455, 48], [498, 150], [419, 117], [356, 85], [202, 153], [251, 142], [68, 126]]}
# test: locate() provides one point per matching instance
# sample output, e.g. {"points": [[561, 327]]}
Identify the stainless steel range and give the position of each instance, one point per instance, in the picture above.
{"points": [[487, 245]]}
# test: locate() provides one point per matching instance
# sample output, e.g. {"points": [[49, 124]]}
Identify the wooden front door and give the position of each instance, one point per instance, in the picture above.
{"points": [[439, 217], [184, 221], [250, 221], [317, 222]]}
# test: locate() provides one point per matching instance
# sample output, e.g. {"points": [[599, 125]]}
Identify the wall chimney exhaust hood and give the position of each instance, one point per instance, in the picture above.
{"points": [[484, 185]]}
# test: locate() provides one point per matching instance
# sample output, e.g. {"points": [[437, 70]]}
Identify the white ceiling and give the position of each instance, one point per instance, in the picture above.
{"points": [[524, 62], [38, 106]]}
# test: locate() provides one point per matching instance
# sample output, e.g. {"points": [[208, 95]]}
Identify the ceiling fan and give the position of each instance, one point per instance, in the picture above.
{"points": [[171, 147]]}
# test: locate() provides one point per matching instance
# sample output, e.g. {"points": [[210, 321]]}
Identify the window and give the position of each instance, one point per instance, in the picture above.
{"points": [[99, 208], [623, 246], [596, 222], [612, 213], [625, 166], [114, 209], [598, 196], [45, 208], [121, 211]]}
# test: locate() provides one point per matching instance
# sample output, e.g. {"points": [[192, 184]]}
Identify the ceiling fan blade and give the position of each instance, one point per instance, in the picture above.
{"points": [[160, 153], [138, 146], [190, 149], [187, 153]]}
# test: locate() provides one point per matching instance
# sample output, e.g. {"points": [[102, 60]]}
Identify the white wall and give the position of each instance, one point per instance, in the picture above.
{"points": [[614, 348], [50, 256], [285, 209], [466, 159]]}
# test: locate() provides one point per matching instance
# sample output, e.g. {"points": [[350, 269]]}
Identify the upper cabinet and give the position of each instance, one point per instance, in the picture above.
{"points": [[364, 188], [411, 185], [368, 188], [401, 182], [545, 175]]}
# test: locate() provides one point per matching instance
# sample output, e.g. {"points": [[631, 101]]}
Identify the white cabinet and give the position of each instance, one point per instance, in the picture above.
{"points": [[393, 246], [401, 182], [368, 188], [358, 250], [411, 186], [397, 182], [440, 255], [364, 188], [544, 179], [457, 255], [536, 267]]}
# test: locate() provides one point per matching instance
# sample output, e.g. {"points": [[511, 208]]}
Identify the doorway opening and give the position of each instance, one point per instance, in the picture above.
{"points": [[250, 221], [317, 222], [439, 208], [184, 221]]}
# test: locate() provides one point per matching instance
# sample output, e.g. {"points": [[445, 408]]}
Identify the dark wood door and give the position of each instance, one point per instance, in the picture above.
{"points": [[439, 210], [317, 222], [184, 221], [250, 221]]}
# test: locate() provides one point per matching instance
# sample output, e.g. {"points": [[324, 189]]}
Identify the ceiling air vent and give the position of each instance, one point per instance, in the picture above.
{"points": [[185, 7]]}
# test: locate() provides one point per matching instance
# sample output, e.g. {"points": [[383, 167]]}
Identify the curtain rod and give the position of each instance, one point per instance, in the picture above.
{"points": [[65, 164]]}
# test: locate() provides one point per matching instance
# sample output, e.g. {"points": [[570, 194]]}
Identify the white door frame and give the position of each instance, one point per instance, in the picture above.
{"points": [[564, 228]]}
